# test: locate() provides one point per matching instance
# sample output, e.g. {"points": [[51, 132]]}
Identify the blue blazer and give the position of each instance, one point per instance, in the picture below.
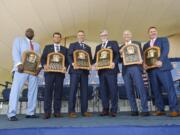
{"points": [[116, 58], [72, 48], [163, 43], [49, 49], [124, 68]]}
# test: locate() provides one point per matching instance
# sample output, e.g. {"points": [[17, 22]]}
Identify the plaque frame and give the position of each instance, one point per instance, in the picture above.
{"points": [[75, 58], [26, 60], [63, 69], [98, 67], [125, 61], [158, 55]]}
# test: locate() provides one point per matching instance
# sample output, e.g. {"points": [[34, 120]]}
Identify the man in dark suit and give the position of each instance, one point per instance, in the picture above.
{"points": [[161, 74], [133, 80], [78, 76], [53, 80], [108, 77]]}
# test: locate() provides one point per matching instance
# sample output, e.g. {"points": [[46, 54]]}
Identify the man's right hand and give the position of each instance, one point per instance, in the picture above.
{"points": [[20, 68], [45, 67], [145, 66]]}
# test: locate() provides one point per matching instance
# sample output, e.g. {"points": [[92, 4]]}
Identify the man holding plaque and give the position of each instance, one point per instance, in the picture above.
{"points": [[160, 75], [108, 77], [79, 75], [132, 75], [53, 78], [21, 45]]}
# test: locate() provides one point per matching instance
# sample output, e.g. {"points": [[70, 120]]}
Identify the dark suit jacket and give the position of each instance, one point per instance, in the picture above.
{"points": [[163, 43], [115, 48], [124, 68], [72, 48], [49, 49]]}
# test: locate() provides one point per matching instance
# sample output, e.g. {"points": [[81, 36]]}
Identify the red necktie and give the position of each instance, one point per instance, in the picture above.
{"points": [[31, 45]]}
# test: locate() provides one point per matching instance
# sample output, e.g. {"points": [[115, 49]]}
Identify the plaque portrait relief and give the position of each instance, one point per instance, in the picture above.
{"points": [[56, 62], [151, 55], [131, 54], [31, 62], [81, 59], [104, 59]]}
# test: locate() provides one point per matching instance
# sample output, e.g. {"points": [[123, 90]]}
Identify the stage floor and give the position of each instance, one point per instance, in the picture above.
{"points": [[122, 119]]}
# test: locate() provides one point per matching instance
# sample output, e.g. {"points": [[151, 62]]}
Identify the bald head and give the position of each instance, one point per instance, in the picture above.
{"points": [[127, 35], [29, 33]]}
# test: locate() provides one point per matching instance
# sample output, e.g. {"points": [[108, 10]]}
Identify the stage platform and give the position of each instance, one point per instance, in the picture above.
{"points": [[122, 124]]}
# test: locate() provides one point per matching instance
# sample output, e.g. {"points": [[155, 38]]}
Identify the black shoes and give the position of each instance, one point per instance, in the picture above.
{"points": [[145, 113], [32, 116], [13, 118], [134, 113]]}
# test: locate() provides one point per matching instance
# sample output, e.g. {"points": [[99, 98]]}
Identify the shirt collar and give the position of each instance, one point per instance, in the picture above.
{"points": [[57, 44], [105, 42], [129, 42]]}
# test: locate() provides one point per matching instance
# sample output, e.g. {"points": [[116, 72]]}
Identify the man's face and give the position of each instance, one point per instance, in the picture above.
{"points": [[56, 39], [29, 33], [127, 36], [153, 33], [80, 36], [104, 36]]}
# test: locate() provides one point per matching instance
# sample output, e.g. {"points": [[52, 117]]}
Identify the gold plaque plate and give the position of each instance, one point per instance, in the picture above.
{"points": [[104, 59], [81, 60], [56, 62], [131, 54], [31, 62], [151, 55]]}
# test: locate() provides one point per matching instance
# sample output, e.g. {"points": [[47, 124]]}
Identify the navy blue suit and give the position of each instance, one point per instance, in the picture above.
{"points": [[53, 81], [78, 76], [162, 76], [108, 79], [132, 75]]}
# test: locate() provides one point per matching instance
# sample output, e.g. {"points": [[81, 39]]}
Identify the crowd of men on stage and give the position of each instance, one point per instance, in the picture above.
{"points": [[132, 75]]}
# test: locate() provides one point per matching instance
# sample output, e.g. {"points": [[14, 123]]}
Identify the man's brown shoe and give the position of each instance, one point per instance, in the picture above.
{"points": [[72, 115], [104, 113], [158, 113], [87, 114], [57, 115], [113, 114], [47, 116], [173, 114]]}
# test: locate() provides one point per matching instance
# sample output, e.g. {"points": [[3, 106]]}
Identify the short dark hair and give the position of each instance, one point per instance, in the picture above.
{"points": [[152, 27], [57, 33], [81, 31]]}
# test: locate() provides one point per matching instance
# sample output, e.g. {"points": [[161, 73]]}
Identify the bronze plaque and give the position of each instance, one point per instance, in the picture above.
{"points": [[56, 62], [31, 62], [131, 54], [104, 59], [81, 60], [151, 55]]}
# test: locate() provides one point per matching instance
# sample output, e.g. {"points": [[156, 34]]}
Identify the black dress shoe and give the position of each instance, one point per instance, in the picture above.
{"points": [[32, 116], [57, 115], [113, 114], [13, 118], [47, 116], [104, 113], [145, 114], [134, 113]]}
